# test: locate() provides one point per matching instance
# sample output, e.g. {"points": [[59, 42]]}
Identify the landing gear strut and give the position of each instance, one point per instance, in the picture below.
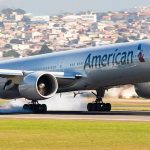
{"points": [[35, 107], [98, 105]]}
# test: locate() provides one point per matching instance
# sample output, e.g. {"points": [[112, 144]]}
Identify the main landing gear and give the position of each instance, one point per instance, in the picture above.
{"points": [[98, 105], [35, 107]]}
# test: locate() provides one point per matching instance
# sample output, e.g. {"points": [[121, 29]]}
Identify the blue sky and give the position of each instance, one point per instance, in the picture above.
{"points": [[48, 7]]}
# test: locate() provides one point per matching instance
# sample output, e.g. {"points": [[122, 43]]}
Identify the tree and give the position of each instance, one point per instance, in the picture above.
{"points": [[44, 49], [122, 40], [20, 11], [1, 25], [11, 53], [15, 41], [7, 11], [8, 46], [26, 19]]}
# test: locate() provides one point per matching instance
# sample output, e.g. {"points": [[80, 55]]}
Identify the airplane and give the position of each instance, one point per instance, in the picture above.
{"points": [[97, 68]]}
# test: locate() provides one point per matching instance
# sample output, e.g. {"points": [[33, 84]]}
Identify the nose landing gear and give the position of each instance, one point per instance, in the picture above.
{"points": [[35, 107], [98, 105]]}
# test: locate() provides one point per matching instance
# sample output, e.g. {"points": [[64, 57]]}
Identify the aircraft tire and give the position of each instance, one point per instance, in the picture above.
{"points": [[89, 107], [44, 108], [108, 107], [102, 107], [36, 108], [25, 106]]}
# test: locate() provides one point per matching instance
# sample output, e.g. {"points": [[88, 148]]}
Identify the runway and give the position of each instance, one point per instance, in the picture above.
{"points": [[138, 116]]}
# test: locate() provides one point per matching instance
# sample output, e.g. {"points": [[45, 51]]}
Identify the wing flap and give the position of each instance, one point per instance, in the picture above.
{"points": [[66, 75]]}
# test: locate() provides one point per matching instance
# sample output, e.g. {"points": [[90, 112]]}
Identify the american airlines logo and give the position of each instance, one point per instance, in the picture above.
{"points": [[140, 54], [116, 58]]}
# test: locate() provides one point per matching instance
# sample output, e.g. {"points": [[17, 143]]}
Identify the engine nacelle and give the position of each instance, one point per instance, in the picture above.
{"points": [[38, 86], [143, 89]]}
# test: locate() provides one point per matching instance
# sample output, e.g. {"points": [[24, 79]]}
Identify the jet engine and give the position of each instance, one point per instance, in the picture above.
{"points": [[38, 86], [143, 89]]}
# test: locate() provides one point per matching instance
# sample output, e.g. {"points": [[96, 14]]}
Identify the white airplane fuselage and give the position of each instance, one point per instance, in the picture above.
{"points": [[104, 66]]}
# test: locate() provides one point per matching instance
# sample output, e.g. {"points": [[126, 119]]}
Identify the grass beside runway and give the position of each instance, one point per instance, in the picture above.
{"points": [[129, 104], [44, 134]]}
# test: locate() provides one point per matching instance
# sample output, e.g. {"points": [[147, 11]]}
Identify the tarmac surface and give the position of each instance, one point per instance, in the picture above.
{"points": [[138, 116]]}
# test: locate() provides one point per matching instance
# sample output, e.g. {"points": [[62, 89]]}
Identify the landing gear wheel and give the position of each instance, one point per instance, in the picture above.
{"points": [[108, 107], [35, 107], [44, 108], [99, 107], [25, 106], [89, 107]]}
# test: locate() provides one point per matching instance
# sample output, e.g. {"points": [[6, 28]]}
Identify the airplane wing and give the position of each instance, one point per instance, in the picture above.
{"points": [[15, 76], [7, 73]]}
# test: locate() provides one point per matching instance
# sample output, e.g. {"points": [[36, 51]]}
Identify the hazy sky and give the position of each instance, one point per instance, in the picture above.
{"points": [[47, 7]]}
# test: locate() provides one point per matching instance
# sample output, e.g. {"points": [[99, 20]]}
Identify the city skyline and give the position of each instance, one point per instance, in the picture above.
{"points": [[49, 7]]}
